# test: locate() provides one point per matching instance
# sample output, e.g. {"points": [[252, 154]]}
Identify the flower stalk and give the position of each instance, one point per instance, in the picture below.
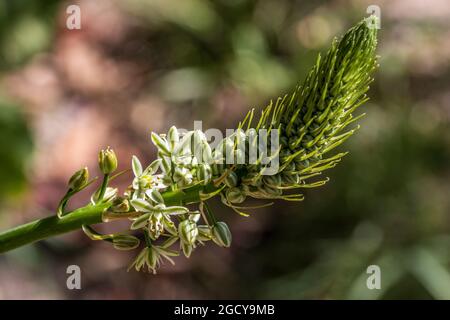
{"points": [[51, 226], [310, 122]]}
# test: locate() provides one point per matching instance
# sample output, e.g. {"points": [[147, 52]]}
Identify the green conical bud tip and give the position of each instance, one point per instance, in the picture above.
{"points": [[79, 179], [107, 161], [313, 119], [221, 234], [333, 89]]}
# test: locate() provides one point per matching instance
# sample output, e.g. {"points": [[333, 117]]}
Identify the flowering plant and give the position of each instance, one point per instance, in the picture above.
{"points": [[304, 126]]}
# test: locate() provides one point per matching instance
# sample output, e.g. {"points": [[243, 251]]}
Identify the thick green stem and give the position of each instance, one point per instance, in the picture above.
{"points": [[90, 214], [50, 226]]}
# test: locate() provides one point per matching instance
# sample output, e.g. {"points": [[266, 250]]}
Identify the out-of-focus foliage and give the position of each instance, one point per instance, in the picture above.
{"points": [[15, 151], [146, 65], [25, 29]]}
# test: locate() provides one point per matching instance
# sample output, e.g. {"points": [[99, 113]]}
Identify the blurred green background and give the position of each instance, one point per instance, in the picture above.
{"points": [[138, 65]]}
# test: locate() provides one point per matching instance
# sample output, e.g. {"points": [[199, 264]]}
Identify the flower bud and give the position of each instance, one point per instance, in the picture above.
{"points": [[125, 242], [235, 195], [270, 191], [188, 231], [273, 181], [173, 137], [207, 152], [204, 173], [107, 161], [204, 233], [221, 234], [232, 179], [291, 179], [79, 179]]}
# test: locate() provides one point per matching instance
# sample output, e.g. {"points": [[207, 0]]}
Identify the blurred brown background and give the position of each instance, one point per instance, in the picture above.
{"points": [[137, 66]]}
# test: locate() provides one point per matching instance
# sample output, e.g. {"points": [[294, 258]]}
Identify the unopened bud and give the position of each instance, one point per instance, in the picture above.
{"points": [[125, 242], [204, 233], [204, 173], [107, 161], [235, 195], [221, 234], [232, 179], [188, 231], [79, 179], [173, 137]]}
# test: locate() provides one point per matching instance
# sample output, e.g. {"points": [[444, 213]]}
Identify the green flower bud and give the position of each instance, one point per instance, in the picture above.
{"points": [[221, 234], [231, 180], [188, 231], [235, 195], [207, 152], [79, 179], [107, 161], [204, 173], [273, 181], [173, 137], [204, 233], [269, 191], [291, 178], [125, 242]]}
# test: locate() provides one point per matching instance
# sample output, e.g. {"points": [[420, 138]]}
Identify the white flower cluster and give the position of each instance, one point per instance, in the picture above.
{"points": [[184, 161]]}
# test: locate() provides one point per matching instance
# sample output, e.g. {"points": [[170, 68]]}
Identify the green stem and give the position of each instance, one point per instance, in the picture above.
{"points": [[211, 216], [50, 226], [103, 187], [88, 215]]}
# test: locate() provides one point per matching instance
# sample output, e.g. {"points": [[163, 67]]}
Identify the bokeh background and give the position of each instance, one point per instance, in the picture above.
{"points": [[138, 65]]}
